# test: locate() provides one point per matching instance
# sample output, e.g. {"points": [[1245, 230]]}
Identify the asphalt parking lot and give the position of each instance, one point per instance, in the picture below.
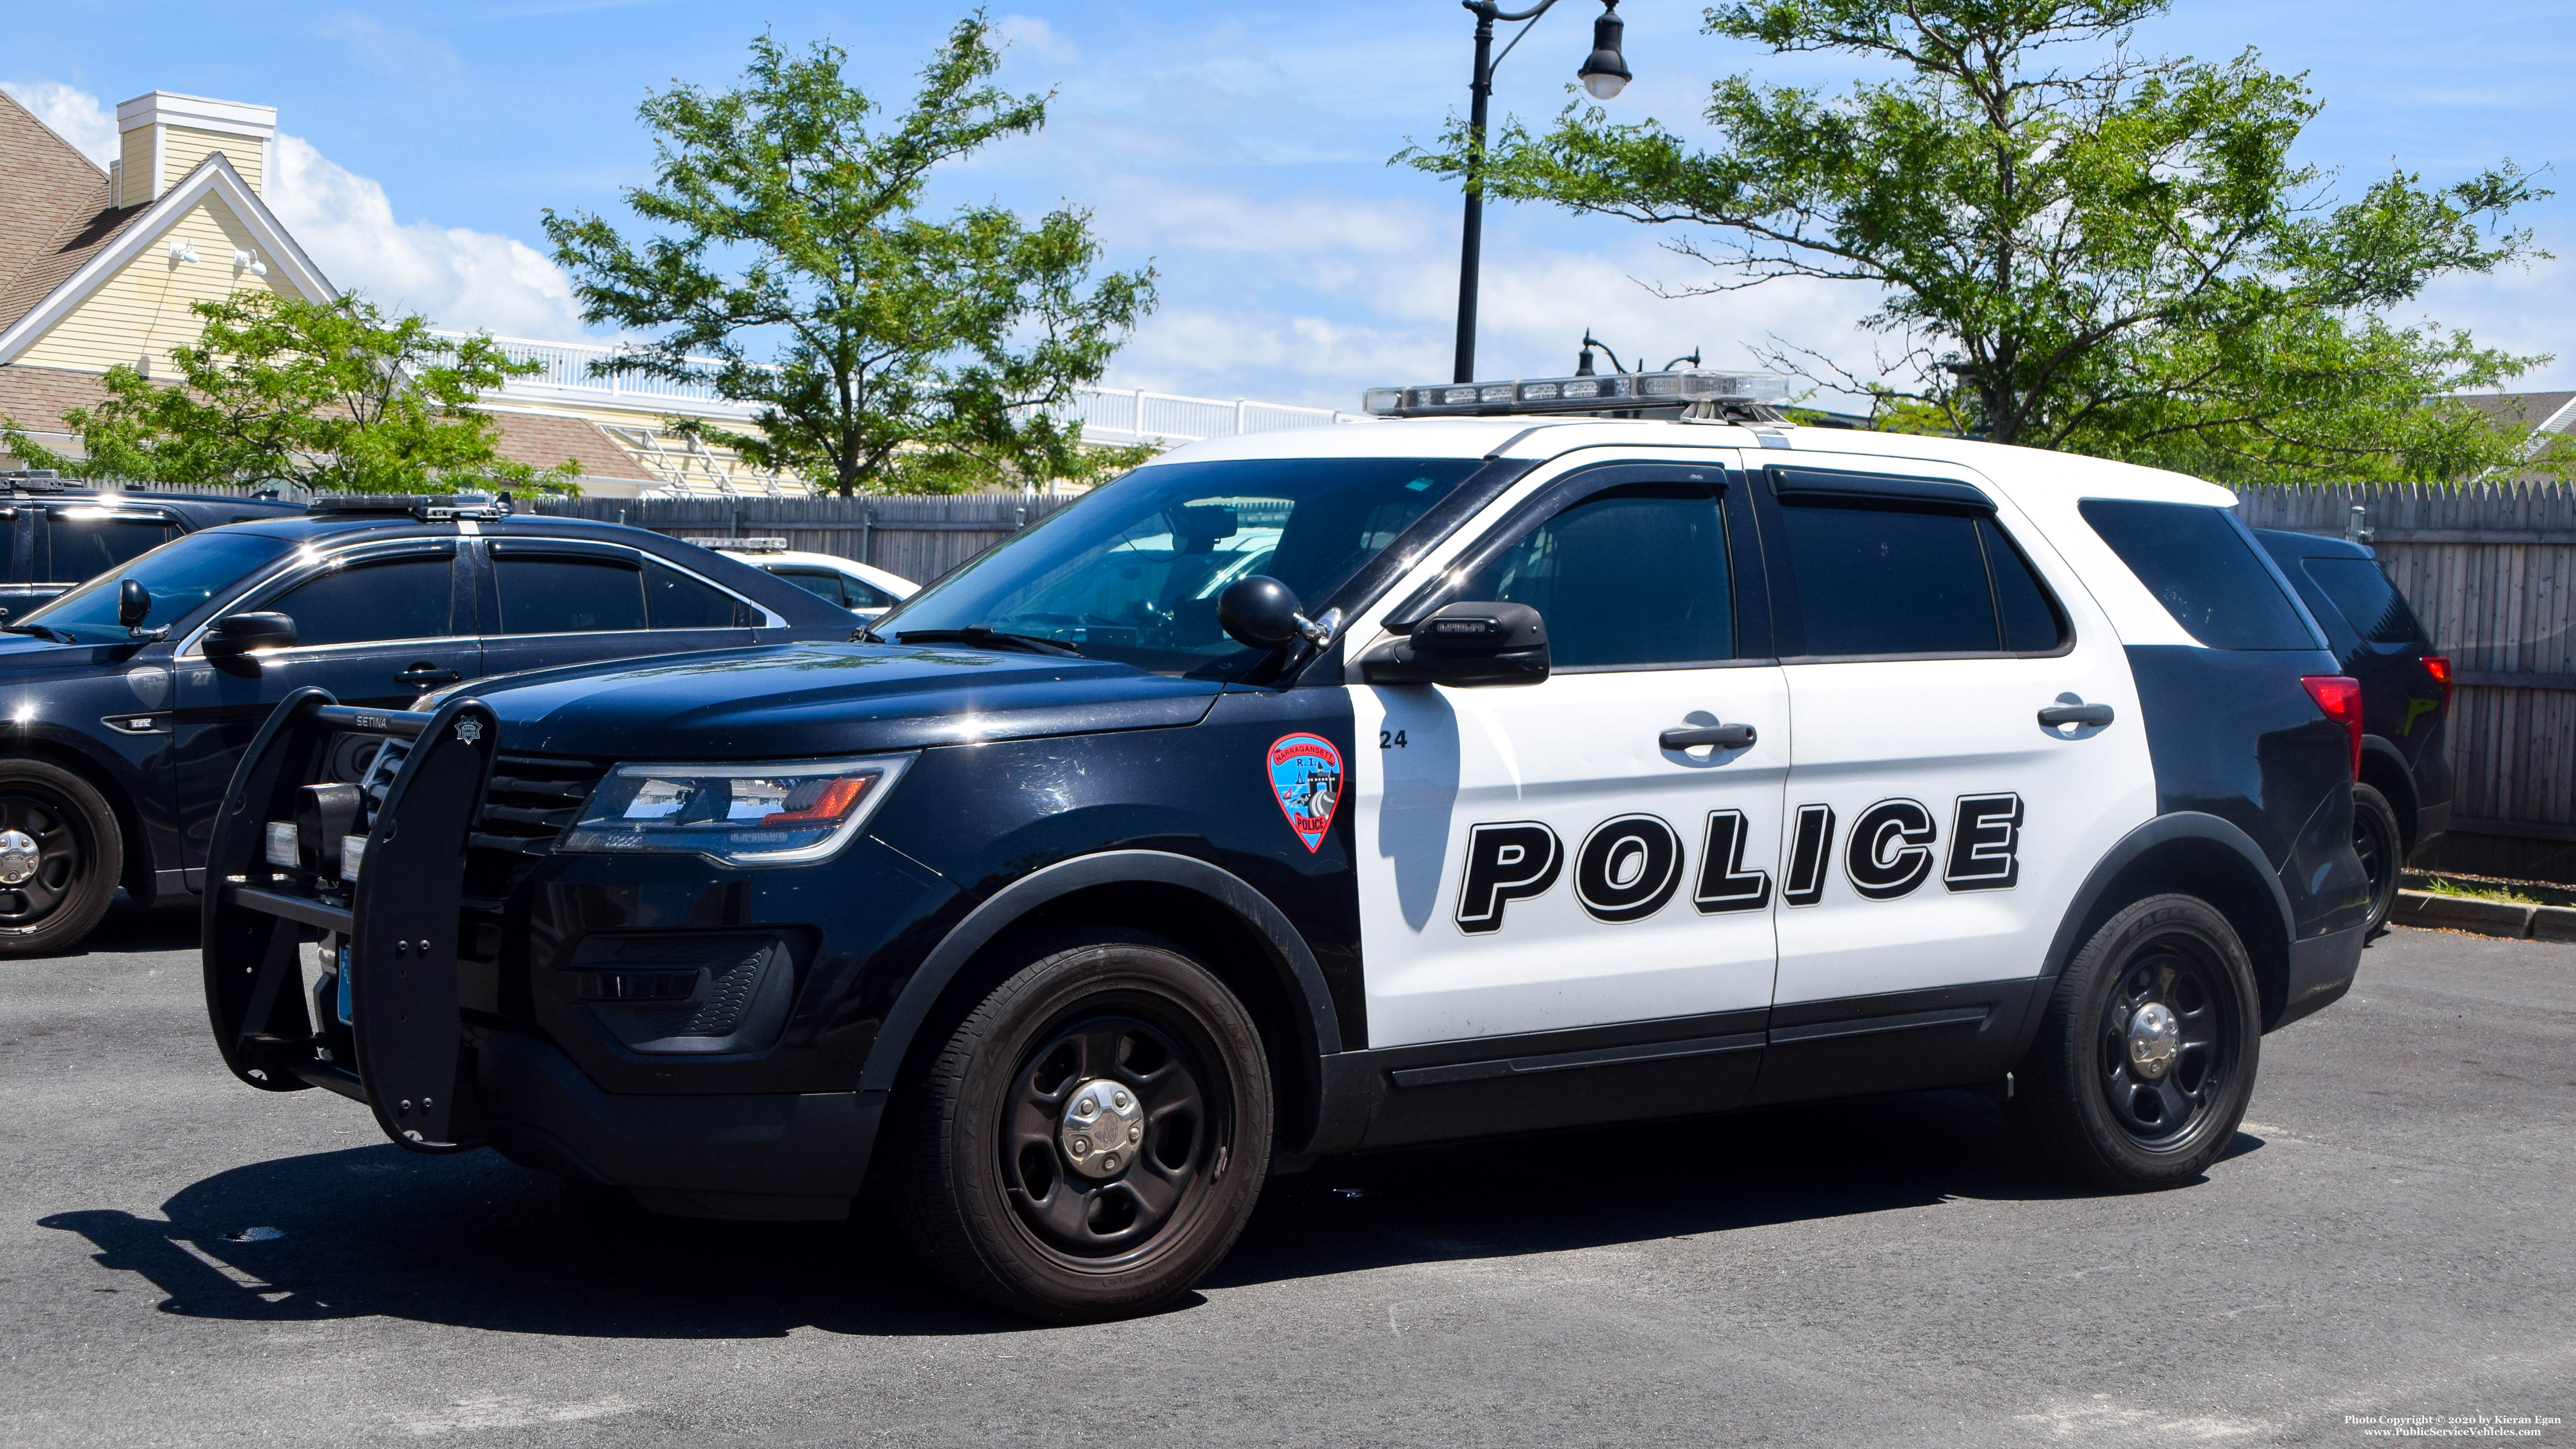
{"points": [[2393, 1235]]}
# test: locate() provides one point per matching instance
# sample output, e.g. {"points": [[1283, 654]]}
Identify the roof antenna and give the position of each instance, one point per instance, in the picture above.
{"points": [[1693, 360], [1590, 342]]}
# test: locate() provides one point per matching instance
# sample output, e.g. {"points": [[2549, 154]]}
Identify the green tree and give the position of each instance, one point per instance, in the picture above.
{"points": [[2117, 256], [331, 396], [901, 351]]}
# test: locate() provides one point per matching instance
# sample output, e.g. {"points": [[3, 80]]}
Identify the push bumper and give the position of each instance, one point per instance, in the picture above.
{"points": [[2321, 971], [783, 1155]]}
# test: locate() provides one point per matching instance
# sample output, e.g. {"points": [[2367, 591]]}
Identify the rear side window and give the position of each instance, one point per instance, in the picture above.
{"points": [[409, 598], [821, 583], [2365, 597], [569, 595], [1889, 578], [2200, 565], [673, 600], [73, 548]]}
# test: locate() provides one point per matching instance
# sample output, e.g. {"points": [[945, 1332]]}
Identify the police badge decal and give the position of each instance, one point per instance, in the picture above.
{"points": [[1306, 777]]}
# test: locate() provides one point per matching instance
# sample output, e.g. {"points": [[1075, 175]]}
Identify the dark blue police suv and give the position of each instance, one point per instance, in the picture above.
{"points": [[128, 701], [1302, 793]]}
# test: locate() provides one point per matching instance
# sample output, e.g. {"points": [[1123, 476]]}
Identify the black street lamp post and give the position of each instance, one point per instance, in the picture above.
{"points": [[1604, 74]]}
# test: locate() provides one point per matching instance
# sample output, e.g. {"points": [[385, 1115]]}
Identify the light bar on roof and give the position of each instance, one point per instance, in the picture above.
{"points": [[1617, 392]]}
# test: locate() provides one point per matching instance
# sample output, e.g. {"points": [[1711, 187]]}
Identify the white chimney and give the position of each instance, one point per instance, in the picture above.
{"points": [[164, 135]]}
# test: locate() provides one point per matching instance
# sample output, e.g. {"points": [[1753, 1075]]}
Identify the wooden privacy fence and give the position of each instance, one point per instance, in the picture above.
{"points": [[919, 537], [2490, 570]]}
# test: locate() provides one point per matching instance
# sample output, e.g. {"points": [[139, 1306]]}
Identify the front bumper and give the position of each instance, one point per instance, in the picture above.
{"points": [[771, 1155]]}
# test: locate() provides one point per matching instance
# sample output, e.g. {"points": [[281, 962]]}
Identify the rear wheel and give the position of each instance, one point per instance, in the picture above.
{"points": [[2381, 845], [60, 857], [1092, 1137], [2146, 1058]]}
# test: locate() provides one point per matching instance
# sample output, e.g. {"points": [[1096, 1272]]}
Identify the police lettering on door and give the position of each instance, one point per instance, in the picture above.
{"points": [[1630, 866]]}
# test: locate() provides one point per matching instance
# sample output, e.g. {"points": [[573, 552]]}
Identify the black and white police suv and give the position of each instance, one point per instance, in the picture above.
{"points": [[1327, 790]]}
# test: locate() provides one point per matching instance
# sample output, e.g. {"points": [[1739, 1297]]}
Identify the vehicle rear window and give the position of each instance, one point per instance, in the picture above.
{"points": [[569, 595], [2201, 566], [2363, 595], [1879, 578], [406, 598]]}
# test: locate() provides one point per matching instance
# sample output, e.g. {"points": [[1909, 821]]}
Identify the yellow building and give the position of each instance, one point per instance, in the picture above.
{"points": [[101, 269]]}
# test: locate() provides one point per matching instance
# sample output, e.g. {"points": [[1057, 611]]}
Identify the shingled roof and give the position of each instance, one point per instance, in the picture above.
{"points": [[54, 210]]}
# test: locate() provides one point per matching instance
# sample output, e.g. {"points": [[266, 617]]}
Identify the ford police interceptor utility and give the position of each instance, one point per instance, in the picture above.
{"points": [[1315, 791]]}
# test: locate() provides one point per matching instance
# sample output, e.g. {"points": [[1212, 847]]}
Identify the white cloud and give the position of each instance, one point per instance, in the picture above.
{"points": [[75, 115], [454, 276]]}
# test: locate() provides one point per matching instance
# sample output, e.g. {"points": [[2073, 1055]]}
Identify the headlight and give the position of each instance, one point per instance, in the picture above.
{"points": [[763, 813]]}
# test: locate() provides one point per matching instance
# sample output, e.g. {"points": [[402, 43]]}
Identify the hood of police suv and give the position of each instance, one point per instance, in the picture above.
{"points": [[790, 700]]}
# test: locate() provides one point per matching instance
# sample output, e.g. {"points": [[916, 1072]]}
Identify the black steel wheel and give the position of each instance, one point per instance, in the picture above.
{"points": [[1091, 1138], [60, 856], [2146, 1058], [2382, 848]]}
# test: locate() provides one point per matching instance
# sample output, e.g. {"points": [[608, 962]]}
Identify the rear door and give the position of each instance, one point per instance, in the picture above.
{"points": [[556, 602], [1937, 828], [1533, 859], [376, 625]]}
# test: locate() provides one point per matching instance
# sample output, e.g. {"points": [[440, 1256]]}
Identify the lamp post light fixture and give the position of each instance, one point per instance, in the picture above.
{"points": [[1604, 74]]}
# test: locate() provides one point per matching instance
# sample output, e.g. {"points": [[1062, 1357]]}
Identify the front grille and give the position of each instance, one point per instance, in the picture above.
{"points": [[530, 801]]}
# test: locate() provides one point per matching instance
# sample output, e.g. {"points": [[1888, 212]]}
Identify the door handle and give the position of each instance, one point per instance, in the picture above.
{"points": [[2052, 716], [1724, 736], [428, 674]]}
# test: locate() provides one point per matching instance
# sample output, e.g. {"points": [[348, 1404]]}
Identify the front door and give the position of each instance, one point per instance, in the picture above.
{"points": [[1937, 827], [373, 625], [1535, 858]]}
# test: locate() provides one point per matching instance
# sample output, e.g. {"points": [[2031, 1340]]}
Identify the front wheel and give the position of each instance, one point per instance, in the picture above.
{"points": [[1091, 1138], [2145, 1060], [60, 856]]}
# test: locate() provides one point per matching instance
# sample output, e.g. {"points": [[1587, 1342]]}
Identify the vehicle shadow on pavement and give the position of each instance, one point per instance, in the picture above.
{"points": [[129, 927], [476, 1241]]}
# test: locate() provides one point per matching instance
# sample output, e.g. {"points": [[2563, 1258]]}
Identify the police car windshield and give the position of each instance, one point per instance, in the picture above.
{"points": [[1132, 572], [180, 575]]}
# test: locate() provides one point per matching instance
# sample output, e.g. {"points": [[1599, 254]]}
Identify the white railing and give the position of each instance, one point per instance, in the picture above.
{"points": [[1108, 415]]}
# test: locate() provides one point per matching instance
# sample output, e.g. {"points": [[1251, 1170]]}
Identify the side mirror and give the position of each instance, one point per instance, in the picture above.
{"points": [[133, 603], [235, 635], [1262, 612], [1465, 644]]}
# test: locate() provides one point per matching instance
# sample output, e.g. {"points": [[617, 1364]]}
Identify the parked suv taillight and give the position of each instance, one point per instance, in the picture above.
{"points": [[2440, 668], [2340, 697]]}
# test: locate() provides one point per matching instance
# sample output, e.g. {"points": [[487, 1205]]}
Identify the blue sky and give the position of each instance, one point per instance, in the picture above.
{"points": [[1240, 149]]}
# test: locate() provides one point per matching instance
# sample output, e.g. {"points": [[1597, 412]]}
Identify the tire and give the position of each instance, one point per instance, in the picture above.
{"points": [[58, 879], [2097, 1106], [2381, 845], [989, 1189]]}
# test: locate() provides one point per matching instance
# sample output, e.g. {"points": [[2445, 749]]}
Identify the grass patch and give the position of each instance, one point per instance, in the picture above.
{"points": [[2475, 888]]}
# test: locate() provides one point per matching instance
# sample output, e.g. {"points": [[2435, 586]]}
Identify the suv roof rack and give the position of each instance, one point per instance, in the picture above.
{"points": [[33, 480], [427, 507], [743, 545]]}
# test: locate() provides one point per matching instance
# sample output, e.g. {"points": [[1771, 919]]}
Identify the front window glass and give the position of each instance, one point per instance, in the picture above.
{"points": [[1630, 577], [180, 575], [406, 598], [1132, 572]]}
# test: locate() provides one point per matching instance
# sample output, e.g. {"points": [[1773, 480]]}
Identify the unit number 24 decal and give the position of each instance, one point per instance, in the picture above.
{"points": [[1631, 866]]}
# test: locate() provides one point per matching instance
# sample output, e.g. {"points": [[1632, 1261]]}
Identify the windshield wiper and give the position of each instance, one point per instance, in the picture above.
{"points": [[991, 637], [46, 632]]}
